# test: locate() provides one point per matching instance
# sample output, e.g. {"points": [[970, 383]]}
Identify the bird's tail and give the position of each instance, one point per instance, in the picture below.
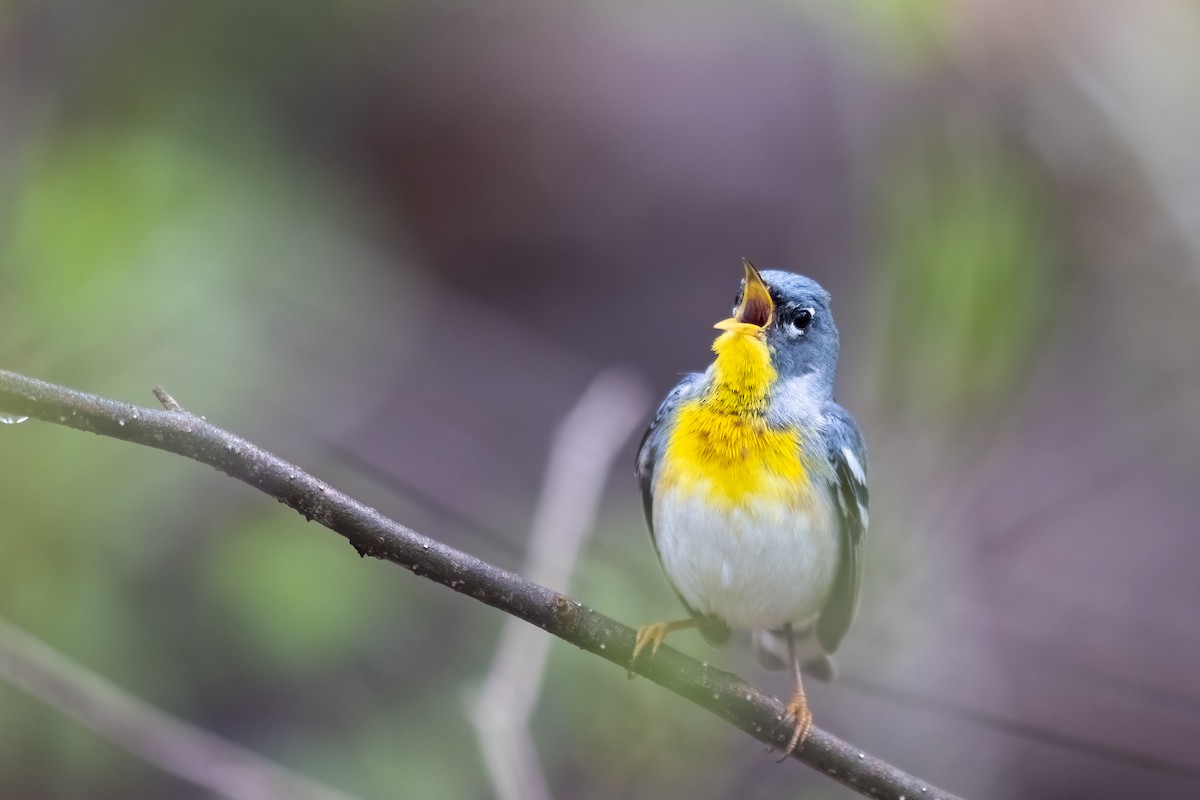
{"points": [[771, 649]]}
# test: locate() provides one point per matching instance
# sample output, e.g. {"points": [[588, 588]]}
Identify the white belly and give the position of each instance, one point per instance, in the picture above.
{"points": [[759, 569]]}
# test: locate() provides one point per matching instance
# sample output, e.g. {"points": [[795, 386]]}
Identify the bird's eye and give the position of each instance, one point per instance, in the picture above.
{"points": [[801, 320]]}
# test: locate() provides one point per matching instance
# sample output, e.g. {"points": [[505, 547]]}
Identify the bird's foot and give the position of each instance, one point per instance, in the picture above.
{"points": [[797, 712], [654, 634]]}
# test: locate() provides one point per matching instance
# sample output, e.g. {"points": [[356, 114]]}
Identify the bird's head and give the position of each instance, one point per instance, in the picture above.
{"points": [[790, 314]]}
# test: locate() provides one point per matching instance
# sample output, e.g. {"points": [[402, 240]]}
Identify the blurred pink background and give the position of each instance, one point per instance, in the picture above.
{"points": [[394, 243]]}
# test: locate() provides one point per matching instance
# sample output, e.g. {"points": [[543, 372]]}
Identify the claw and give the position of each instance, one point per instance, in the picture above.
{"points": [[655, 633], [798, 712]]}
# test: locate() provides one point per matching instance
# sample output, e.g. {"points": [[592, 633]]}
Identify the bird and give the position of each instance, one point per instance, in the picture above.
{"points": [[754, 486]]}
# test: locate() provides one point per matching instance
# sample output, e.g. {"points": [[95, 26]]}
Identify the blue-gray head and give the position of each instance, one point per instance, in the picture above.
{"points": [[797, 324]]}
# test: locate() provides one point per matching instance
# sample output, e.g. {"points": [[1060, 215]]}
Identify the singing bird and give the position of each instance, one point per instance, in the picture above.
{"points": [[755, 487]]}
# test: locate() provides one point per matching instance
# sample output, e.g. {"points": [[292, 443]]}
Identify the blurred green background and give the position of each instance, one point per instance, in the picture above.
{"points": [[394, 242]]}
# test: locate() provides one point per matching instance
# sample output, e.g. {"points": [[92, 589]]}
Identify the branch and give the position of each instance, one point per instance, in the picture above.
{"points": [[174, 746], [372, 534]]}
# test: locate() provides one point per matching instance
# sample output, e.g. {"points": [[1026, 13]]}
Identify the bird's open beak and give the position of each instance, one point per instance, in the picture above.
{"points": [[754, 313]]}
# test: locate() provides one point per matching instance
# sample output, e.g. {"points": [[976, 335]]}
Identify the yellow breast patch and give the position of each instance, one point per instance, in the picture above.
{"points": [[721, 445]]}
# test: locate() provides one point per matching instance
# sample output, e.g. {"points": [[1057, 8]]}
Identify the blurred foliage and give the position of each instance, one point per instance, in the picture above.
{"points": [[303, 613], [971, 282], [905, 33], [168, 235]]}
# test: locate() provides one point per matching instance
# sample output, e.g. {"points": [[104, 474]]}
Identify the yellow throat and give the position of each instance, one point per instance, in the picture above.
{"points": [[721, 445]]}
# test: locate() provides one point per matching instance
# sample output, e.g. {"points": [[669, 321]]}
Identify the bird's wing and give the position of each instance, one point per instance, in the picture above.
{"points": [[848, 458], [715, 630], [653, 442]]}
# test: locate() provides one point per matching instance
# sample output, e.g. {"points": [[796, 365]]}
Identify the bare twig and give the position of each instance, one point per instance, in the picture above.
{"points": [[168, 402], [372, 534], [169, 743], [581, 458]]}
